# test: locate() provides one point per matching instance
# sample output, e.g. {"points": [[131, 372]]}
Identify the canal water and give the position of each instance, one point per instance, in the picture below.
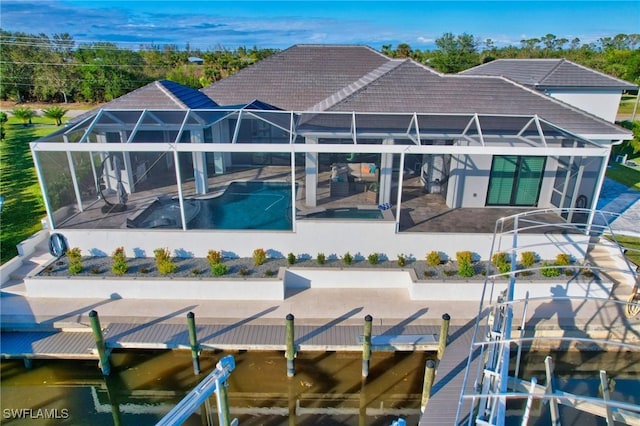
{"points": [[577, 372], [144, 385]]}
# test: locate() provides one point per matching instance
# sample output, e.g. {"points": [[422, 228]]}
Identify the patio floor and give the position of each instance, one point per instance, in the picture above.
{"points": [[421, 212]]}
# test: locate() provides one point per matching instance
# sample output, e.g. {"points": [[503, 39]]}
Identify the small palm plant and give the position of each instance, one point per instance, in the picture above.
{"points": [[24, 114], [55, 113]]}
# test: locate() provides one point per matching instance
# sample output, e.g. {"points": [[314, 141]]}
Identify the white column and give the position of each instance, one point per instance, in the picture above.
{"points": [[127, 175], [386, 173], [199, 163], [311, 174], [220, 159]]}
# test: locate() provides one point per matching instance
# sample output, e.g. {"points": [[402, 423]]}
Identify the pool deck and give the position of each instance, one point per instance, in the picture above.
{"points": [[421, 212]]}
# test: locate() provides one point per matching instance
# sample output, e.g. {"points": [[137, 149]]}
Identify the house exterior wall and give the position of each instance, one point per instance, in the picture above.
{"points": [[468, 181], [333, 238], [601, 103]]}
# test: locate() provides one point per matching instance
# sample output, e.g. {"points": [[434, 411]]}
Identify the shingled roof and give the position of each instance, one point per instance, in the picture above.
{"points": [[299, 77], [412, 87], [549, 74], [162, 94]]}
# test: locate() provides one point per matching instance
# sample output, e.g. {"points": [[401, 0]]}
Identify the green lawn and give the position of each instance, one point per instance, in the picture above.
{"points": [[631, 243], [23, 207], [627, 104], [625, 175]]}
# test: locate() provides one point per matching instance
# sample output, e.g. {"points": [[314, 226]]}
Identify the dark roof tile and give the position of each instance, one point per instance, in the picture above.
{"points": [[549, 73]]}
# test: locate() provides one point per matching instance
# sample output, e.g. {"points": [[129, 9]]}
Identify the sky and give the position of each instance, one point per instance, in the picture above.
{"points": [[213, 24]]}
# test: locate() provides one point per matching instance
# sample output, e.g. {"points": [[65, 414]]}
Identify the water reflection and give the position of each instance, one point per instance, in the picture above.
{"points": [[327, 389]]}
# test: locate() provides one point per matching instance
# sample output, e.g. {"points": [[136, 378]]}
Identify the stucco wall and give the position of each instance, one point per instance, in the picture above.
{"points": [[313, 237], [601, 103]]}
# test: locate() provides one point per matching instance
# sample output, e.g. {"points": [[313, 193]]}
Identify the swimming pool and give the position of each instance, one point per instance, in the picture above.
{"points": [[347, 213], [243, 205]]}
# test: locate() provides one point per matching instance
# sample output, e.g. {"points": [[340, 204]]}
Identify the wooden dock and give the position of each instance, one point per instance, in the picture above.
{"points": [[81, 344], [445, 394]]}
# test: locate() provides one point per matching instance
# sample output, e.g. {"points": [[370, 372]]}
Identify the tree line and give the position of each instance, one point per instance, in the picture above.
{"points": [[39, 68], [42, 68], [618, 56]]}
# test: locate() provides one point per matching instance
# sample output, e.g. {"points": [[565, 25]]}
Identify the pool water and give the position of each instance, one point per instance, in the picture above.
{"points": [[247, 205], [243, 205], [347, 213]]}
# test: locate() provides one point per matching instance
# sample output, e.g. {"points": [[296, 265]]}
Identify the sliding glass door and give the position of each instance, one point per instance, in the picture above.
{"points": [[515, 180]]}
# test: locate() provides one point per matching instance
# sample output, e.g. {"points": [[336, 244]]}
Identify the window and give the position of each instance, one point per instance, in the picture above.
{"points": [[515, 180]]}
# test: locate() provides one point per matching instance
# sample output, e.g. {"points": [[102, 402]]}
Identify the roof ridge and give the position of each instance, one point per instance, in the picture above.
{"points": [[555, 100], [551, 71], [355, 86], [595, 71], [161, 85]]}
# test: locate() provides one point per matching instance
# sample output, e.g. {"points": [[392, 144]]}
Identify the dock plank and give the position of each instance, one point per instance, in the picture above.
{"points": [[49, 344], [443, 405]]}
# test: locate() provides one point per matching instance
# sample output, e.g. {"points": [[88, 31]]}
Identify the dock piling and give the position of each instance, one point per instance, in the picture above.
{"points": [[366, 345], [444, 335], [429, 376], [100, 344], [193, 341], [290, 342]]}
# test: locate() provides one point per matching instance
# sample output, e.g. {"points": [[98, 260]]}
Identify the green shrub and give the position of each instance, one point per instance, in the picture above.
{"points": [[166, 266], [243, 272], [259, 256], [75, 268], [119, 259], [586, 272], [291, 258], [219, 269], [321, 259], [144, 270], [161, 254], [402, 260], [214, 257], [527, 258], [196, 271], [499, 258], [269, 273], [119, 268], [569, 272], [434, 259], [464, 256], [75, 260], [74, 255], [95, 270], [503, 268], [549, 270], [373, 258], [347, 258], [465, 268], [449, 272], [563, 259]]}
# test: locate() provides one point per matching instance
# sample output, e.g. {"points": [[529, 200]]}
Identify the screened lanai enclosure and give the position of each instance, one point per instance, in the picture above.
{"points": [[256, 168]]}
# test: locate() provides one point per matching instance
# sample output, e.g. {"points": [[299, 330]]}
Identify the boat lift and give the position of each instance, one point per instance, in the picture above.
{"points": [[216, 382]]}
